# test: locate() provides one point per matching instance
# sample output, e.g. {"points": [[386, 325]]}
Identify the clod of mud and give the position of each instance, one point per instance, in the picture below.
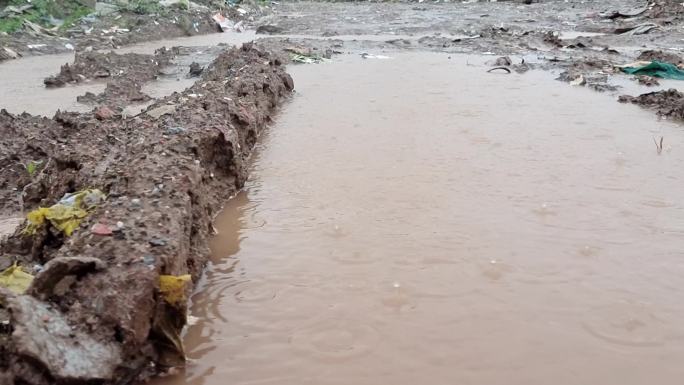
{"points": [[117, 94], [269, 30], [195, 69], [165, 177], [667, 57], [668, 103], [671, 10], [96, 65]]}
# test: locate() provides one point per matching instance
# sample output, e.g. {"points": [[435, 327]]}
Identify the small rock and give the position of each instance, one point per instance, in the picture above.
{"points": [[175, 130], [101, 229], [163, 110], [195, 69], [104, 113], [157, 242], [135, 202], [6, 53], [269, 29], [149, 260]]}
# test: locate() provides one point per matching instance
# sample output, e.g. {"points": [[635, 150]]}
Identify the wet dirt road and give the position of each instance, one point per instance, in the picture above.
{"points": [[416, 220]]}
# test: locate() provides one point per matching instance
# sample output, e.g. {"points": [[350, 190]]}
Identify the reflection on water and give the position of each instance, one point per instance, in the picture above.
{"points": [[497, 230]]}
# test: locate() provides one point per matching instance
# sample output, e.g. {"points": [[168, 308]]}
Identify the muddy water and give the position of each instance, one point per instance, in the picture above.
{"points": [[22, 80], [416, 220]]}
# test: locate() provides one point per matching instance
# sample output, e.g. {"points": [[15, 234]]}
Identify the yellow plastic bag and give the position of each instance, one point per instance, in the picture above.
{"points": [[15, 279], [168, 325], [172, 288], [67, 214]]}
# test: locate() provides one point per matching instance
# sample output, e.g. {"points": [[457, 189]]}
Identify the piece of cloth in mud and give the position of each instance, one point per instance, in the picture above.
{"points": [[656, 69]]}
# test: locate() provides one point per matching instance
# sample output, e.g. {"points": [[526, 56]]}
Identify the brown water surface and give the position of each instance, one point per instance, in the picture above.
{"points": [[417, 220]]}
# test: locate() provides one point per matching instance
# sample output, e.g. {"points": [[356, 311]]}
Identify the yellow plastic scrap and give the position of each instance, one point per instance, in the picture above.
{"points": [[169, 324], [172, 288], [68, 213], [15, 279]]}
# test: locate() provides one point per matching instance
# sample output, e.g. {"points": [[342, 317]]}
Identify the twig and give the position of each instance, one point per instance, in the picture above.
{"points": [[659, 146]]}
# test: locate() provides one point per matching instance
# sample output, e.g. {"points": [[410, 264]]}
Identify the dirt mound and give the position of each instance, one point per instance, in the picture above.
{"points": [[96, 65], [668, 103], [117, 94], [666, 9], [112, 317], [667, 57]]}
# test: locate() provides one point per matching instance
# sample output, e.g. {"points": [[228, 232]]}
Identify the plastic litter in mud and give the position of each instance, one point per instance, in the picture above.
{"points": [[67, 214], [304, 59], [172, 288], [655, 69], [15, 279]]}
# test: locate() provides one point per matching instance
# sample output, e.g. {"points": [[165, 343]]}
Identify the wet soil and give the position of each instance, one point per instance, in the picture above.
{"points": [[330, 196], [166, 173]]}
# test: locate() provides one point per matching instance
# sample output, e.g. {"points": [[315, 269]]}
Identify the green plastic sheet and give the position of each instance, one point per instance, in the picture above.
{"points": [[657, 69]]}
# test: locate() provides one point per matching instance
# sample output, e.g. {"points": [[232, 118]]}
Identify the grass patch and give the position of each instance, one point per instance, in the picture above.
{"points": [[43, 11]]}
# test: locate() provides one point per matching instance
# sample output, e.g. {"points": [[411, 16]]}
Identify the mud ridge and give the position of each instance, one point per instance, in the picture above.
{"points": [[95, 312], [669, 103]]}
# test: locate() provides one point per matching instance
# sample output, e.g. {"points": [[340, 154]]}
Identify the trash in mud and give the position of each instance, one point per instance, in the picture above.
{"points": [[370, 56], [640, 29], [654, 69], [67, 214], [173, 288], [306, 59], [168, 326], [226, 25], [579, 81], [15, 279]]}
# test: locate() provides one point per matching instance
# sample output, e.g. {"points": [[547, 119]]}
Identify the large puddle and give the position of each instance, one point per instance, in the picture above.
{"points": [[417, 220]]}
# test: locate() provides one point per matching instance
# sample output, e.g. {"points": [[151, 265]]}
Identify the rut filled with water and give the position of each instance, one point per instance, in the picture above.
{"points": [[418, 220]]}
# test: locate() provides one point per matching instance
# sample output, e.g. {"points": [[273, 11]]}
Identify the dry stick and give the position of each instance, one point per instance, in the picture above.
{"points": [[659, 146]]}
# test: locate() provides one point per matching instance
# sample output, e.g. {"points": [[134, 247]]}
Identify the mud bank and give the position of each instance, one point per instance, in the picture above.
{"points": [[95, 312]]}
